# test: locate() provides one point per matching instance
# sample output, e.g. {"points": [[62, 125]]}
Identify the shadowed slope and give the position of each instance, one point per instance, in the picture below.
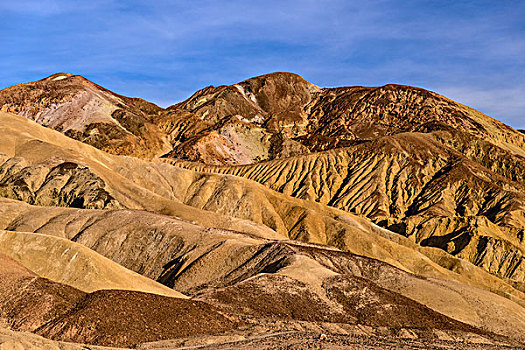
{"points": [[73, 264]]}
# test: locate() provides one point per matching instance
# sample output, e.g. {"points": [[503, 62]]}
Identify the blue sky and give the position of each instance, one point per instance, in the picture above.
{"points": [[470, 51]]}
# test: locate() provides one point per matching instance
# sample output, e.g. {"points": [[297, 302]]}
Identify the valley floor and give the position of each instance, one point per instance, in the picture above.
{"points": [[306, 340]]}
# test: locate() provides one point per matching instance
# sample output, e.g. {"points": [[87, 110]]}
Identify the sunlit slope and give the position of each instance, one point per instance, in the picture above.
{"points": [[413, 185], [189, 256], [42, 166], [67, 262], [218, 266], [417, 224], [161, 188]]}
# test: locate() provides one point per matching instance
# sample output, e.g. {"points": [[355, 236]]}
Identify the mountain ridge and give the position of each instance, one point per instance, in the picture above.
{"points": [[263, 200], [265, 117]]}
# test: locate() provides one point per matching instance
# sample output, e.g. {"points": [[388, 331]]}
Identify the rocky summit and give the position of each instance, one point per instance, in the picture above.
{"points": [[271, 213]]}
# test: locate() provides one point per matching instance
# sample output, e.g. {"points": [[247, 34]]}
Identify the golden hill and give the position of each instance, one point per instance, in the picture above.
{"points": [[273, 204], [67, 262], [411, 184], [216, 219]]}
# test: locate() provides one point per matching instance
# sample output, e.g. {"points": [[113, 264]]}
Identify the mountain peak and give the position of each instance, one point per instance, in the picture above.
{"points": [[58, 76], [277, 75], [279, 78], [398, 174]]}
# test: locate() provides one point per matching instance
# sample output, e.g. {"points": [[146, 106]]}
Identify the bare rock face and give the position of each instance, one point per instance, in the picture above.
{"points": [[267, 117], [54, 183], [254, 120], [272, 201], [89, 113]]}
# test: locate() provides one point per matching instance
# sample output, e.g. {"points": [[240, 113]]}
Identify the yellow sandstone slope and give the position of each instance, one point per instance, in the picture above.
{"points": [[67, 262], [202, 250]]}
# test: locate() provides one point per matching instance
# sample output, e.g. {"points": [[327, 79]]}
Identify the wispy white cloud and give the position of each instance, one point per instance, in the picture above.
{"points": [[49, 7], [163, 50], [506, 104]]}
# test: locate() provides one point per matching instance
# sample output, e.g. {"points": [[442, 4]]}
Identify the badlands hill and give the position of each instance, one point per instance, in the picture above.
{"points": [[267, 117], [89, 113], [116, 317], [267, 211]]}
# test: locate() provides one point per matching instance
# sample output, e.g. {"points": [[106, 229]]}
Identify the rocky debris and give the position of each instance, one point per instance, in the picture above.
{"points": [[359, 339], [276, 296], [106, 317], [126, 318], [27, 301], [342, 299]]}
